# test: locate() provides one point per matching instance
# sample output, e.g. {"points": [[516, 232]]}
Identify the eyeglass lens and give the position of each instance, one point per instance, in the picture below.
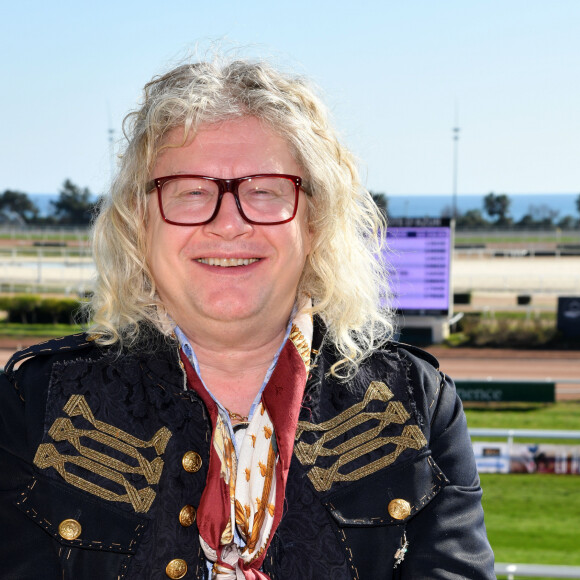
{"points": [[190, 200]]}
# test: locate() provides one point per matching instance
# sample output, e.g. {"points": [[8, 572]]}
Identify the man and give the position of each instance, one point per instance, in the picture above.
{"points": [[237, 409]]}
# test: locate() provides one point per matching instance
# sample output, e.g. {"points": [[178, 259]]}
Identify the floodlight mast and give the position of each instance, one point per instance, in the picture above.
{"points": [[111, 133], [456, 130]]}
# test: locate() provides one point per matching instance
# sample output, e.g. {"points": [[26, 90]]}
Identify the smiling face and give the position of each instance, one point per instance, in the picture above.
{"points": [[227, 271]]}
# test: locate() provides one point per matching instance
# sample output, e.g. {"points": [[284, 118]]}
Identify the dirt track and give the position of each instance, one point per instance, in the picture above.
{"points": [[563, 367]]}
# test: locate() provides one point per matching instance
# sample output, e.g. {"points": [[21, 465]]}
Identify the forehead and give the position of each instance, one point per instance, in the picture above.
{"points": [[227, 145]]}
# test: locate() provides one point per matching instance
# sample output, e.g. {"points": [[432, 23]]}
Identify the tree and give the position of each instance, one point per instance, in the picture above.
{"points": [[497, 206], [381, 200], [539, 216], [471, 219], [567, 223], [527, 221], [18, 203], [578, 203], [74, 205], [544, 214]]}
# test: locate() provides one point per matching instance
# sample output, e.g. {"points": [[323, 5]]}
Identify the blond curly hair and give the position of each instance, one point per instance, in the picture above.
{"points": [[343, 274]]}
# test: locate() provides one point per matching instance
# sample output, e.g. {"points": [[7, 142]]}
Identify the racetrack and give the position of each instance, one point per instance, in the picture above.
{"points": [[559, 366], [563, 367]]}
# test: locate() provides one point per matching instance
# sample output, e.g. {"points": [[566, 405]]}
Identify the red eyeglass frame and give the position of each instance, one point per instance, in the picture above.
{"points": [[225, 186]]}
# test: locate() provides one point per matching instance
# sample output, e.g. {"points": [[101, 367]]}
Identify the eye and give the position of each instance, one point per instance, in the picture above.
{"points": [[196, 192], [263, 192], [187, 190], [262, 189]]}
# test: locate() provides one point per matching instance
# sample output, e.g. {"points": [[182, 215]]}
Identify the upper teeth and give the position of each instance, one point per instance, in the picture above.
{"points": [[227, 262]]}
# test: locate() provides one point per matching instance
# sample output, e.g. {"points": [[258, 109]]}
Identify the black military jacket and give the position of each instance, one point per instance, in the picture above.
{"points": [[104, 460]]}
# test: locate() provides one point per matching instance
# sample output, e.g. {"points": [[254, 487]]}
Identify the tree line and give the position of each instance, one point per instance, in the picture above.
{"points": [[74, 206], [496, 213]]}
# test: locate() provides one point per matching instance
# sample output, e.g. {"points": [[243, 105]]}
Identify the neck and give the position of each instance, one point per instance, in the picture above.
{"points": [[233, 366]]}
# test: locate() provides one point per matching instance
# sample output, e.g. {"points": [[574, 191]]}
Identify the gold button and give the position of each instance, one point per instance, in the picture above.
{"points": [[191, 462], [399, 509], [176, 569], [187, 516], [69, 529]]}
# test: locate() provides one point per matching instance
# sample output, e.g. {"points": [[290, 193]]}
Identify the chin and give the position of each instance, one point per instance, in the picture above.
{"points": [[232, 312]]}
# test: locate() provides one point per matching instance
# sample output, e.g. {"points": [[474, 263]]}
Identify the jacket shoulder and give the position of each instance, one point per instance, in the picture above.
{"points": [[415, 353], [423, 378], [55, 346]]}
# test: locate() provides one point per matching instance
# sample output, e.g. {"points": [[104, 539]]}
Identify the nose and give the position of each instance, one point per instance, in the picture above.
{"points": [[228, 223]]}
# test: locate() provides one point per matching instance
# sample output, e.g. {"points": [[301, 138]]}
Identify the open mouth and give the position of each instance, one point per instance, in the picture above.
{"points": [[227, 262]]}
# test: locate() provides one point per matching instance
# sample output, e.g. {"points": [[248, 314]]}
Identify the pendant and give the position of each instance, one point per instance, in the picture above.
{"points": [[400, 553]]}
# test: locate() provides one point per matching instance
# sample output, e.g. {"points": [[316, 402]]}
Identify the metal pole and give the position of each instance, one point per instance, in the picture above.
{"points": [[112, 152], [111, 132], [455, 151]]}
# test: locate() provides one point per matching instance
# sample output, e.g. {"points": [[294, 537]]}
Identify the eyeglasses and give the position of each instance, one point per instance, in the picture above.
{"points": [[194, 200]]}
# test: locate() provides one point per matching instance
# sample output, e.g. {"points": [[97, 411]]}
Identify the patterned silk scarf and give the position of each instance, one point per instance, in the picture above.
{"points": [[247, 492]]}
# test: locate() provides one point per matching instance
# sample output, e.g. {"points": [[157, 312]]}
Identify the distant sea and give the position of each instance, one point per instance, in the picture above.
{"points": [[434, 205], [42, 201], [521, 204]]}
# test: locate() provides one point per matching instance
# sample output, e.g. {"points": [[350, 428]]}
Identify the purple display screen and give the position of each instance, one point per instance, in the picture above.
{"points": [[418, 259]]}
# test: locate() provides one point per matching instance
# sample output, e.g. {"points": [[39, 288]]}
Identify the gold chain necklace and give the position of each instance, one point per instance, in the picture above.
{"points": [[237, 417]]}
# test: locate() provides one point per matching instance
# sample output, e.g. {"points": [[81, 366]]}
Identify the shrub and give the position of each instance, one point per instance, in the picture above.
{"points": [[22, 308], [29, 308], [507, 332], [57, 310]]}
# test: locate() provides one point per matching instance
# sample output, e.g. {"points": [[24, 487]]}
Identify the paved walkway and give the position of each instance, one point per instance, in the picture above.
{"points": [[469, 272]]}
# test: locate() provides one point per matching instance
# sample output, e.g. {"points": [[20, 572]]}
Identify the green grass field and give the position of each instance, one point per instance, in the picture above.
{"points": [[532, 518], [41, 331], [47, 234], [79, 233], [46, 252], [562, 415], [521, 239]]}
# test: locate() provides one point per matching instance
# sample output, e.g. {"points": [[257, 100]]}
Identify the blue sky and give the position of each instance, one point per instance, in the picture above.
{"points": [[393, 73]]}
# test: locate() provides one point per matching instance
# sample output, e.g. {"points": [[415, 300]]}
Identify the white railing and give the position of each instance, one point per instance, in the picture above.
{"points": [[513, 571], [511, 434]]}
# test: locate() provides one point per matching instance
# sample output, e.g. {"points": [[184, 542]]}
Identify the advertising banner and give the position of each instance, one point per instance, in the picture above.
{"points": [[527, 458]]}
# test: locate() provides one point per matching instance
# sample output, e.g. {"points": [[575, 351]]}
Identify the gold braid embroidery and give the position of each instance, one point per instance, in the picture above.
{"points": [[361, 444], [100, 463]]}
